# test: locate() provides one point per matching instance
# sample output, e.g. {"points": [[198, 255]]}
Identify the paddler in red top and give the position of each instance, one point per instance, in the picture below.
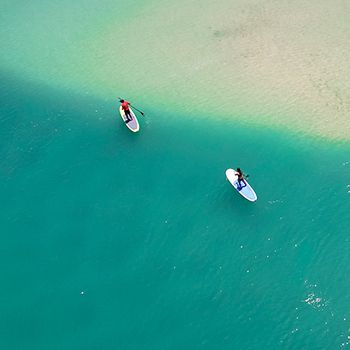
{"points": [[125, 106]]}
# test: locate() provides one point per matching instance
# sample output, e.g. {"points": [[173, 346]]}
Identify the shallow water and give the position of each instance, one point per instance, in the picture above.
{"points": [[274, 62]]}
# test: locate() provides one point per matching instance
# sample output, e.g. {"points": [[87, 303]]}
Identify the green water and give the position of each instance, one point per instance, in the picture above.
{"points": [[146, 226], [114, 240]]}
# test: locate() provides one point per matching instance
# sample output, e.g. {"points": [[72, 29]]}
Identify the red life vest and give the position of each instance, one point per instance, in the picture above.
{"points": [[125, 105]]}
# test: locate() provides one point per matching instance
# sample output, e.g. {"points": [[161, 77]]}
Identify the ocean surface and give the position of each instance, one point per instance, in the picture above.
{"points": [[115, 240]]}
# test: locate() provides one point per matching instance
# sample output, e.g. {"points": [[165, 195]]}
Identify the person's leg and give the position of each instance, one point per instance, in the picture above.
{"points": [[128, 115], [240, 181]]}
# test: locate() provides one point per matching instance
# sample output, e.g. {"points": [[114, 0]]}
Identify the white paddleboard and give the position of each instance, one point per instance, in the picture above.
{"points": [[245, 190], [133, 125]]}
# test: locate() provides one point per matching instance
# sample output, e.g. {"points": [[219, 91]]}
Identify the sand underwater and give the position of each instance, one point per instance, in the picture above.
{"points": [[136, 241]]}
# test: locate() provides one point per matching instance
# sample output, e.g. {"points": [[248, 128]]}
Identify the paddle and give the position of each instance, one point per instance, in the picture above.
{"points": [[134, 108]]}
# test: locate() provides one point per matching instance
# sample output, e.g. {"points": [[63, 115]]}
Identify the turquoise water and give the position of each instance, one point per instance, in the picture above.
{"points": [[137, 241], [114, 240]]}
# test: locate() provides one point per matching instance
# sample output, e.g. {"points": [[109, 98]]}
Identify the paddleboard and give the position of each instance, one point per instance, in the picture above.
{"points": [[245, 190], [133, 125]]}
